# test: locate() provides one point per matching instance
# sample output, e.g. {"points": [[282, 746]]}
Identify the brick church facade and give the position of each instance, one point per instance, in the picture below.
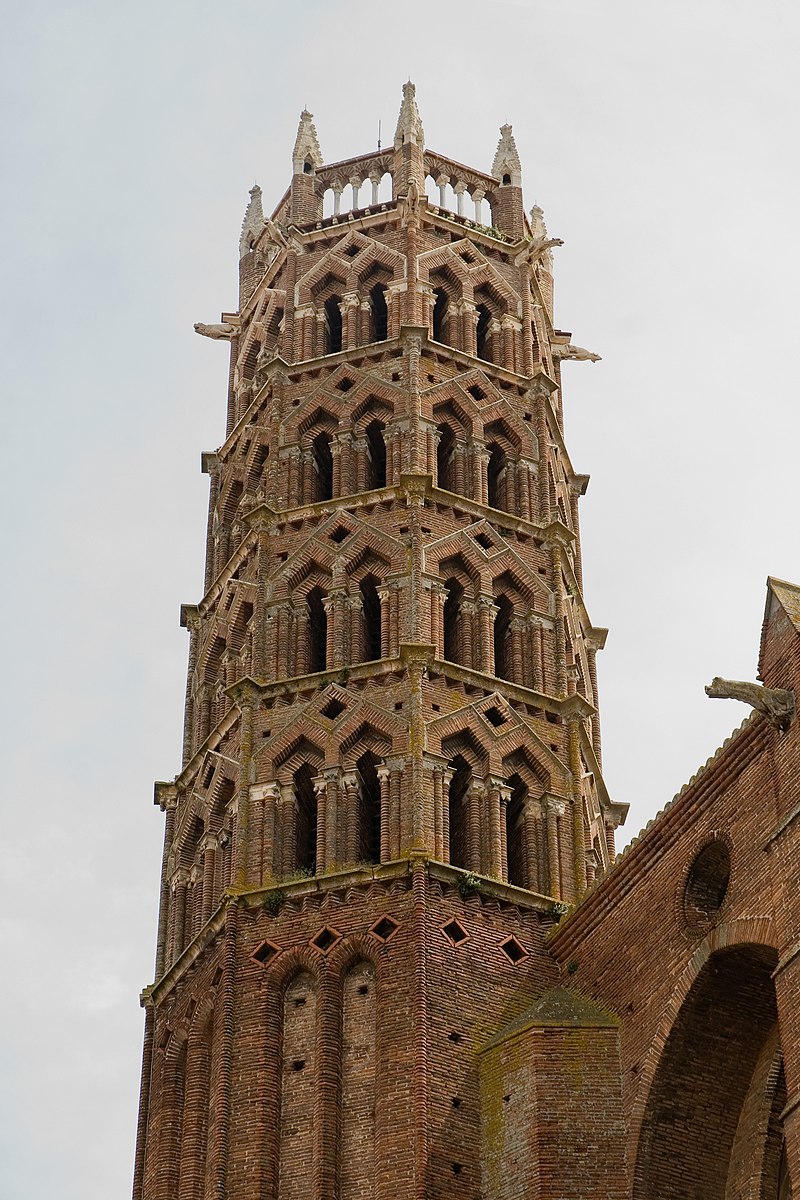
{"points": [[396, 956]]}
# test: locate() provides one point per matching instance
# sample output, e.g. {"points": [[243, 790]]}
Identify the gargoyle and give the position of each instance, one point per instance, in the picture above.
{"points": [[276, 233], [223, 332], [576, 353], [536, 248], [776, 704]]}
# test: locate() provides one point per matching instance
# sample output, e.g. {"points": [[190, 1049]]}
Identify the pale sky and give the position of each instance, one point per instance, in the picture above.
{"points": [[660, 139]]}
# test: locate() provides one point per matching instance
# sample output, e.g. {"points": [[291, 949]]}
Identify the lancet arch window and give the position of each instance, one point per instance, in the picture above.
{"points": [[370, 619], [305, 820], [482, 332], [496, 476], [317, 631], [332, 325], [379, 313], [517, 849], [445, 453], [458, 812], [322, 464], [441, 312], [503, 656], [453, 623], [375, 433], [369, 809]]}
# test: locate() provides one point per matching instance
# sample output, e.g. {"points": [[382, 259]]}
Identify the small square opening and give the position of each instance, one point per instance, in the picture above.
{"points": [[384, 928], [455, 932], [265, 953], [332, 709], [513, 950], [326, 938]]}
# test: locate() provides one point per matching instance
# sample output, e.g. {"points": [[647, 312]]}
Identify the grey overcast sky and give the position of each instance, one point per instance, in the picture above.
{"points": [[661, 140]]}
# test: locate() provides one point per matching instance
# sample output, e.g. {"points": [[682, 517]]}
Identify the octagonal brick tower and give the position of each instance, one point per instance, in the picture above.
{"points": [[391, 781]]}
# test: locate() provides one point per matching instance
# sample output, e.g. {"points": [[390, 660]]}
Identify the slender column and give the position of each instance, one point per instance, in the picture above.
{"points": [[459, 190], [260, 862], [179, 884], [447, 777], [332, 854], [477, 199], [578, 835], [543, 438], [319, 333], [321, 792], [487, 612], [554, 809], [507, 327], [475, 805], [395, 800], [438, 836], [168, 800], [469, 325], [349, 308], [610, 846], [596, 744], [209, 851], [533, 811], [383, 780], [349, 787], [556, 553], [517, 631], [383, 597], [271, 793], [375, 181], [495, 835], [494, 343], [288, 850], [480, 477], [336, 468], [505, 796]]}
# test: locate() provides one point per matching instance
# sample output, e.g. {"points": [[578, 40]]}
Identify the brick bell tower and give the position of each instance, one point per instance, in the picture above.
{"points": [[391, 783]]}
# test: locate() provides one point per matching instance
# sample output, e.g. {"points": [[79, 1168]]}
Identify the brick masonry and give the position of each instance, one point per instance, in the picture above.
{"points": [[391, 789]]}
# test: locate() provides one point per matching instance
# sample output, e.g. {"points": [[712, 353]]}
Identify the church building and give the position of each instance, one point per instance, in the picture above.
{"points": [[397, 956]]}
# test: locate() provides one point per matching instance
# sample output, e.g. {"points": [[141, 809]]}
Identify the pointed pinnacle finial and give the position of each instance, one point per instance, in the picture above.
{"points": [[409, 123], [306, 154], [506, 160], [253, 221]]}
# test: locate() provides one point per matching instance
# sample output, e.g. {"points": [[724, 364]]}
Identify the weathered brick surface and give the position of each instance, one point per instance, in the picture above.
{"points": [[391, 784]]}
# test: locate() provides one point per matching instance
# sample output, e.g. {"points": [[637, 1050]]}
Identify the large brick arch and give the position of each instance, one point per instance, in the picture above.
{"points": [[704, 1053]]}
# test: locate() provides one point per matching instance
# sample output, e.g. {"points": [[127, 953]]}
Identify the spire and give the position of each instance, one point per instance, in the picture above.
{"points": [[253, 221], [306, 151], [409, 123], [506, 160]]}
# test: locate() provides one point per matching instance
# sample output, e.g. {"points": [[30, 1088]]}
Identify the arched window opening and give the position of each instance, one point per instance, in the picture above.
{"points": [[317, 631], [333, 325], [440, 308], [376, 454], [379, 313], [305, 802], [482, 333], [369, 823], [444, 458], [452, 620], [323, 466], [458, 798], [502, 628], [496, 476], [371, 613], [515, 833]]}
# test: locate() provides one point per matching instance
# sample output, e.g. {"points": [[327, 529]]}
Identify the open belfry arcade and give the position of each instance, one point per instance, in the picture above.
{"points": [[397, 959]]}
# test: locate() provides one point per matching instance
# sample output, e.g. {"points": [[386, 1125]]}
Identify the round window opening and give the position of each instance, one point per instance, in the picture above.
{"points": [[706, 884]]}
